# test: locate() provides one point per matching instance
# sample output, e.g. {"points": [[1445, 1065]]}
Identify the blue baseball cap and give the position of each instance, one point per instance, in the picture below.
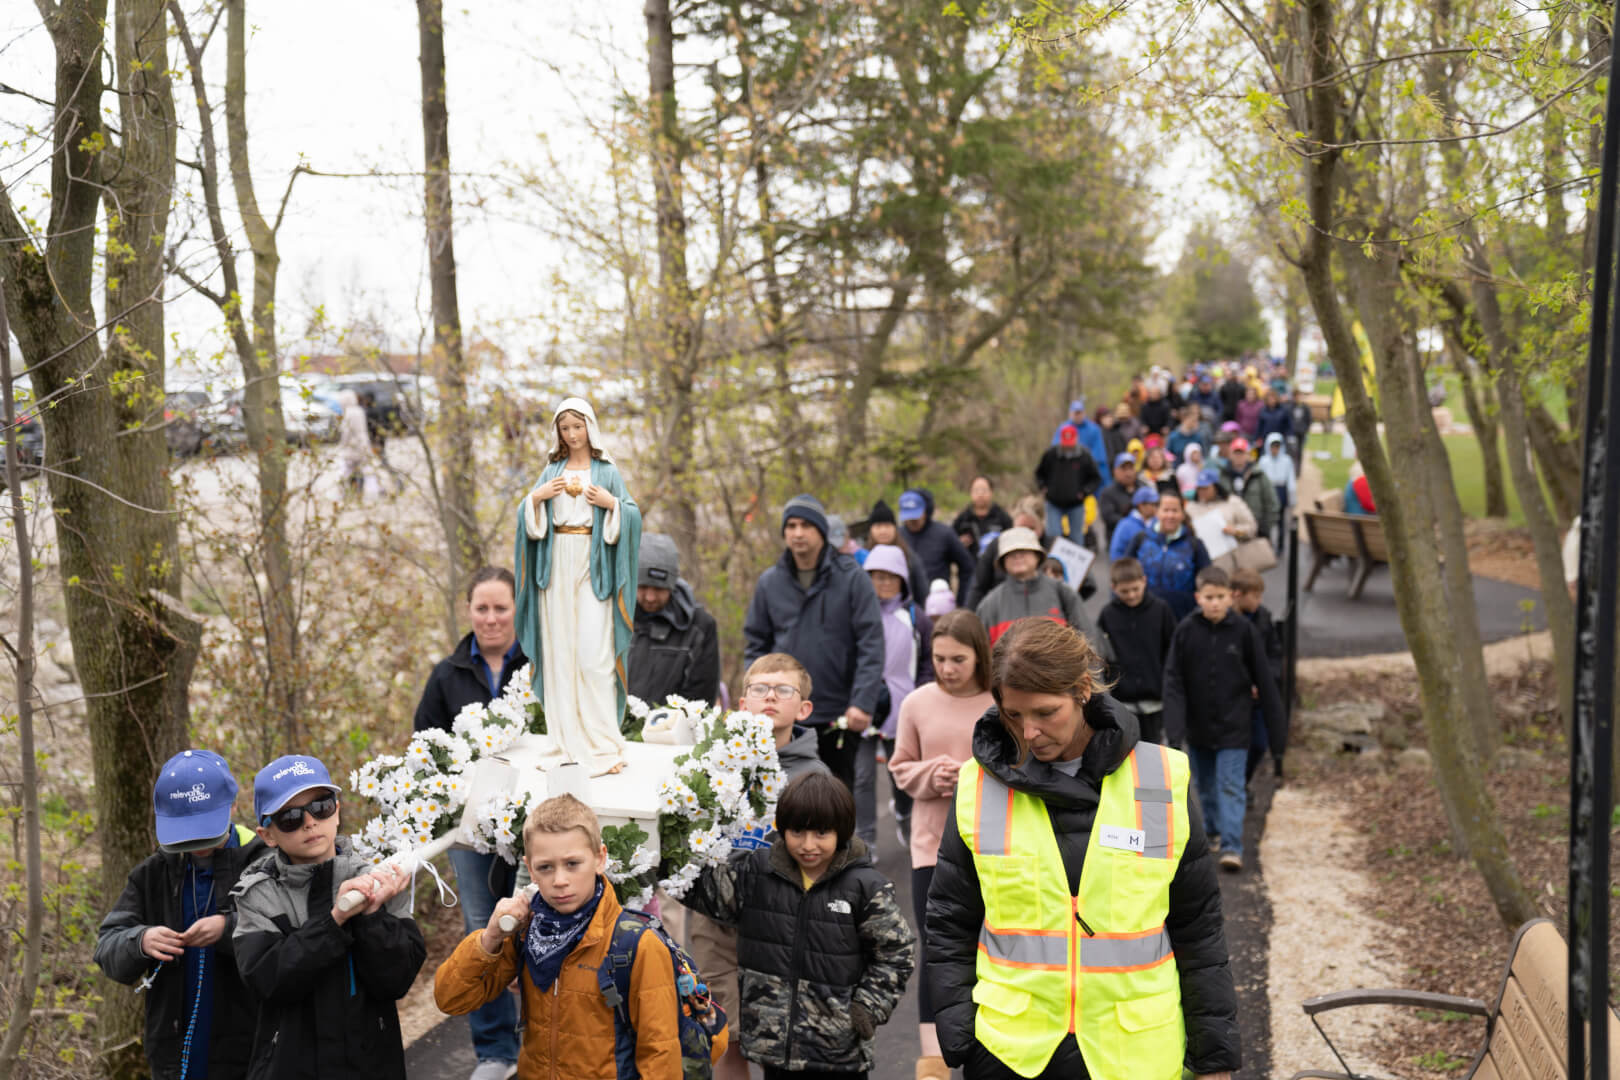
{"points": [[1124, 457], [192, 800], [277, 783], [1077, 405], [912, 506], [1208, 478], [1145, 495]]}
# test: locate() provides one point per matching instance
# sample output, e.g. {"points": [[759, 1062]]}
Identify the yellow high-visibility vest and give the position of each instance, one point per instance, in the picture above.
{"points": [[1098, 964]]}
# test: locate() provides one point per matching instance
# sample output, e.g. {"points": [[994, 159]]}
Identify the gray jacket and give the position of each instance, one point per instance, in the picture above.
{"points": [[326, 992]]}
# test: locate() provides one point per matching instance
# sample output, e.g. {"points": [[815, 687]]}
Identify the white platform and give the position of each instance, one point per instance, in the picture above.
{"points": [[617, 798]]}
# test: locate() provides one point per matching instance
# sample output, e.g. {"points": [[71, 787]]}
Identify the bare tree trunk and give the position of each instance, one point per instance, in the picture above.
{"points": [[1293, 319], [1415, 559], [255, 353], [674, 344], [107, 469], [1537, 515], [269, 442], [22, 1004], [1559, 456], [1477, 403], [459, 508]]}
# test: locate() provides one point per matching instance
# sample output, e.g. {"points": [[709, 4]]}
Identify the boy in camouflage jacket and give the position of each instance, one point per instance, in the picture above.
{"points": [[823, 949]]}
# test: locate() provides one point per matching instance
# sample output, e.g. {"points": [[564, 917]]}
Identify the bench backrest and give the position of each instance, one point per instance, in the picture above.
{"points": [[1332, 501], [1372, 534], [1332, 534], [1530, 1036]]}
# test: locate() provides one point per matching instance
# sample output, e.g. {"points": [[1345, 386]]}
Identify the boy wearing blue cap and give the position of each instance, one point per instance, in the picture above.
{"points": [[327, 979], [171, 927], [1145, 510]]}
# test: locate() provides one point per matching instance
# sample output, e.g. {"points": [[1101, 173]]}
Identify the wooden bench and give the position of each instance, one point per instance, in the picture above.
{"points": [[1332, 501], [1359, 537], [1526, 1029]]}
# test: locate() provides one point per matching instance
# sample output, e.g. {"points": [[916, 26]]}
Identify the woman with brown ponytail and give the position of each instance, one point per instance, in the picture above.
{"points": [[1074, 920]]}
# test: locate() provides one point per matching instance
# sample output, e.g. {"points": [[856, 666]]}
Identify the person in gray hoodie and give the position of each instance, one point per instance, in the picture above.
{"points": [[776, 686], [675, 647], [1027, 593], [326, 979]]}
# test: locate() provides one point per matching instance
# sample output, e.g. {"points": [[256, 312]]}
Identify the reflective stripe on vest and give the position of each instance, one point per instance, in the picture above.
{"points": [[1097, 964]]}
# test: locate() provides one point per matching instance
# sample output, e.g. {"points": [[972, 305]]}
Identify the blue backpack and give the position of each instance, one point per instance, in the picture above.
{"points": [[702, 1022]]}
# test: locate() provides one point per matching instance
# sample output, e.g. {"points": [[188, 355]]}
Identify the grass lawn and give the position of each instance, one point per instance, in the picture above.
{"points": [[1467, 469]]}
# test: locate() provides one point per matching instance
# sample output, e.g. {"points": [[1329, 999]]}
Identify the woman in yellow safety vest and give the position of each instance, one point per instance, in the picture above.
{"points": [[1074, 920]]}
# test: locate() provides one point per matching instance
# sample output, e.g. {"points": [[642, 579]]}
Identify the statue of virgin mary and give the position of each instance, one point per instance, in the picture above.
{"points": [[578, 535]]}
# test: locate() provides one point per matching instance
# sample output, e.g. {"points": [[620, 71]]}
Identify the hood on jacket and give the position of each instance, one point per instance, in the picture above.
{"points": [[800, 753], [681, 608], [890, 559], [1116, 732], [1274, 439]]}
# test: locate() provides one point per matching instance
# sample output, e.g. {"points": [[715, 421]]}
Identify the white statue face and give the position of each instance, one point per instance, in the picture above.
{"points": [[571, 428]]}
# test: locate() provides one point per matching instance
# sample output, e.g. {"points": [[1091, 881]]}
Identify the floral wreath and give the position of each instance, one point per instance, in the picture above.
{"points": [[722, 795]]}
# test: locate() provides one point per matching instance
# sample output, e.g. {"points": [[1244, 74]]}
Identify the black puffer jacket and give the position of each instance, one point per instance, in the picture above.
{"points": [[956, 908], [457, 682], [805, 958], [151, 897], [675, 651]]}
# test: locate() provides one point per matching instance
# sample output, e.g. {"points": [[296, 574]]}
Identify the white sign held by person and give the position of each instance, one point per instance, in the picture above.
{"points": [[1076, 560], [1211, 529]]}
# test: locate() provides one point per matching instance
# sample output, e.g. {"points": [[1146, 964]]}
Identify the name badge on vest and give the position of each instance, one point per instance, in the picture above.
{"points": [[1112, 836]]}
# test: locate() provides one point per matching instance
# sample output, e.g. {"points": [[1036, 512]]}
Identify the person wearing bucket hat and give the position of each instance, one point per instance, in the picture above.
{"points": [[1027, 593], [676, 647], [817, 606], [326, 978], [172, 924]]}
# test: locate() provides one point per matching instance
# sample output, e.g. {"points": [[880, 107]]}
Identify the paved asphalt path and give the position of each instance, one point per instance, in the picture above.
{"points": [[1333, 625], [445, 1053]]}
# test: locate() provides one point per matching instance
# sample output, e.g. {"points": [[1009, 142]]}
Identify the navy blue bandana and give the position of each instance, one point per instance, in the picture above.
{"points": [[552, 936]]}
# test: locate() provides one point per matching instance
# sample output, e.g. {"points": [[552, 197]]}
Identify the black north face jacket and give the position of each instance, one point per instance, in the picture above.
{"points": [[956, 908], [806, 956]]}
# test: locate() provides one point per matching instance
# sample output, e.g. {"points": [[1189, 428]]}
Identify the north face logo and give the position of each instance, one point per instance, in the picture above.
{"points": [[839, 907]]}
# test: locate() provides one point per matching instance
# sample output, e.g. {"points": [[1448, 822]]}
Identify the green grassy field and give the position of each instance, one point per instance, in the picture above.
{"points": [[1467, 469]]}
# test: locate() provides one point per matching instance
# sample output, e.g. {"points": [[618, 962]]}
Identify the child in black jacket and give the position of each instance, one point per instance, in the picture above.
{"points": [[1247, 589], [823, 950], [326, 979], [171, 928], [1136, 629], [1216, 670]]}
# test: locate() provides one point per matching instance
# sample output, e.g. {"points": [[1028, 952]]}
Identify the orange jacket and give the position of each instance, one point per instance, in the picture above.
{"points": [[568, 1030]]}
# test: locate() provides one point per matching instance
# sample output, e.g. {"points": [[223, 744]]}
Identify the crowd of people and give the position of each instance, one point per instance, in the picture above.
{"points": [[1064, 788]]}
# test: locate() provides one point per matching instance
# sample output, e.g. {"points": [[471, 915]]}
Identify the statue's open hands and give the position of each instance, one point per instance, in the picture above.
{"points": [[600, 496]]}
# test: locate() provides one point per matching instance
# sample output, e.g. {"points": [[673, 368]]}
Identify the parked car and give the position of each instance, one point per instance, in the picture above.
{"points": [[399, 402], [30, 432], [185, 416], [308, 414]]}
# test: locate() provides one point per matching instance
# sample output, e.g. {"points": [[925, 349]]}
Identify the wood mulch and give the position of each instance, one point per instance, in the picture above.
{"points": [[1443, 932], [1502, 552]]}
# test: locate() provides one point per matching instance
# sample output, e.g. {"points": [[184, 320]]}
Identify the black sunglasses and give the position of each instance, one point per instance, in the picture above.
{"points": [[292, 818]]}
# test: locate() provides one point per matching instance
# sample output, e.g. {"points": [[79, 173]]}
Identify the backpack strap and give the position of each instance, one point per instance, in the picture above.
{"points": [[613, 979]]}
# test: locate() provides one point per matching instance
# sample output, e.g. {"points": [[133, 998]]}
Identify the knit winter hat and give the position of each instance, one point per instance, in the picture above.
{"points": [[941, 600], [880, 514], [806, 508], [659, 562]]}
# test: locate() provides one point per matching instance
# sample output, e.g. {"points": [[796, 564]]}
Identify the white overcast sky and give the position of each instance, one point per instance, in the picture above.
{"points": [[336, 84]]}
